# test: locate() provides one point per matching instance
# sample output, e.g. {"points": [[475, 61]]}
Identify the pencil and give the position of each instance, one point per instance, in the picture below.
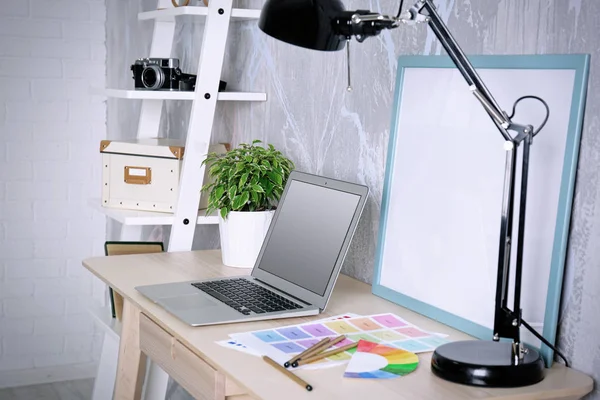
{"points": [[293, 377], [325, 346], [307, 353], [327, 354]]}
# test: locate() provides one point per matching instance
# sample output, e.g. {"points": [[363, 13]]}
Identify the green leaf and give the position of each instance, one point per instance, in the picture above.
{"points": [[255, 141], [218, 191], [266, 163], [245, 197], [240, 166], [240, 201], [275, 177], [214, 169], [269, 188], [232, 192], [236, 204], [248, 159], [224, 211], [255, 197], [254, 179], [231, 173], [243, 180], [257, 188]]}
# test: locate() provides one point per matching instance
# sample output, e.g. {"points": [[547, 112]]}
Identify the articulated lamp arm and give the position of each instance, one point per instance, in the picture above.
{"points": [[363, 24]]}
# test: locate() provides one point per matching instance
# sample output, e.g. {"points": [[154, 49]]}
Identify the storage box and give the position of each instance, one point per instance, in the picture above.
{"points": [[144, 174]]}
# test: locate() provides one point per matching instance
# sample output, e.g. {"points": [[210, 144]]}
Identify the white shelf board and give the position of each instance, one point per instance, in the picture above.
{"points": [[176, 95], [169, 14], [103, 316], [131, 217]]}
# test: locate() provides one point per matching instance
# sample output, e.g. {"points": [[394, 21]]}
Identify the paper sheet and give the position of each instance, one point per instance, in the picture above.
{"points": [[236, 345], [389, 329]]}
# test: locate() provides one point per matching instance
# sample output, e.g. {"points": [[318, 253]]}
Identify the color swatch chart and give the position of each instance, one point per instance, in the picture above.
{"points": [[235, 345], [388, 329], [378, 361]]}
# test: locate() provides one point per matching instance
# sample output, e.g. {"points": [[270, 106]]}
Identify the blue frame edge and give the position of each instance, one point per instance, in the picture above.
{"points": [[580, 64]]}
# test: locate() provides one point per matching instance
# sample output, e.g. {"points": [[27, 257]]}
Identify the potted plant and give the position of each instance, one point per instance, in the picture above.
{"points": [[246, 185]]}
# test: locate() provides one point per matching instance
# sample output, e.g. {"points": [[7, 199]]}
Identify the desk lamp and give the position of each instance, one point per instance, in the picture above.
{"points": [[325, 25]]}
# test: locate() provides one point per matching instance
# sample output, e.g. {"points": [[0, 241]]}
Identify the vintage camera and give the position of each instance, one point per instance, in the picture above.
{"points": [[156, 73], [164, 74]]}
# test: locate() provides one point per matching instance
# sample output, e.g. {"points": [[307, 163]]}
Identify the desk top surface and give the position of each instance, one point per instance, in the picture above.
{"points": [[124, 273]]}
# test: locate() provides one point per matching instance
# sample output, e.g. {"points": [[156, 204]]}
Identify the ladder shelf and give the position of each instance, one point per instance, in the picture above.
{"points": [[176, 95], [169, 14]]}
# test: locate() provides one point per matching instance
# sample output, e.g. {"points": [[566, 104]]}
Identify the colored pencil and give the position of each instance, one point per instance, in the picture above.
{"points": [[307, 353], [325, 346], [327, 354], [293, 377]]}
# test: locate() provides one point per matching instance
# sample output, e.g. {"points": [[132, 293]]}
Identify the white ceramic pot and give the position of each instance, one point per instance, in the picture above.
{"points": [[242, 235]]}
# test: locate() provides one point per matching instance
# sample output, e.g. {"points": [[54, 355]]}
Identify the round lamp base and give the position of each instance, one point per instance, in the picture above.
{"points": [[486, 363]]}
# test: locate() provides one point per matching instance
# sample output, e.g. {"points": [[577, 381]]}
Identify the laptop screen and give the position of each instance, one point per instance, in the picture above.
{"points": [[308, 235]]}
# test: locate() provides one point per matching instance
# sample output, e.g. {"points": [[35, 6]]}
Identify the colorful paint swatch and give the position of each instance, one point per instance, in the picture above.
{"points": [[388, 336], [433, 341], [343, 343], [366, 324], [372, 360], [341, 327], [268, 336], [412, 332], [389, 321], [412, 345], [293, 333], [307, 343], [318, 330], [288, 347], [358, 336]]}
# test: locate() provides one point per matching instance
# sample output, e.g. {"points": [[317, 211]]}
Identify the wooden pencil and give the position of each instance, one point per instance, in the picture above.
{"points": [[306, 353], [286, 372], [327, 354], [317, 350]]}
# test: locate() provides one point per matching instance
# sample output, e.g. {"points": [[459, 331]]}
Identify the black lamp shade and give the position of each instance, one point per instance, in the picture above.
{"points": [[304, 23]]}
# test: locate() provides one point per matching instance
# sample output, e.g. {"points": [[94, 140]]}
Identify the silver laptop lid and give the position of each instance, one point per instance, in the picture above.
{"points": [[309, 236]]}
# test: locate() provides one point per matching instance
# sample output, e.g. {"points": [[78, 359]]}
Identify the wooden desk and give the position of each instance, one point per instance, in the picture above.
{"points": [[209, 371]]}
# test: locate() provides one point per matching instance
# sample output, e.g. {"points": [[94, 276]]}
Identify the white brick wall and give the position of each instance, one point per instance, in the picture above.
{"points": [[51, 52]]}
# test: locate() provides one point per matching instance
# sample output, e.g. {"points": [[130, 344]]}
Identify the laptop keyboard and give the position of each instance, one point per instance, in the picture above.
{"points": [[246, 296]]}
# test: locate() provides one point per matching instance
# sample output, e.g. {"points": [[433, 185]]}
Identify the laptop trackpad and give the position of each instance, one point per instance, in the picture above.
{"points": [[192, 302]]}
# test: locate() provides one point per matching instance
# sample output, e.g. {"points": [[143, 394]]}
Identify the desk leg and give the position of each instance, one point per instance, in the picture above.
{"points": [[131, 367]]}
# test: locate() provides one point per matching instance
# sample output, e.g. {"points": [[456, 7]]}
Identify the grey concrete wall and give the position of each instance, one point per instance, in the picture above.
{"points": [[326, 130]]}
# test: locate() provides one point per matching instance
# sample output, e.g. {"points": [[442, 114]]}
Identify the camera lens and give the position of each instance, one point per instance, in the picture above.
{"points": [[153, 77]]}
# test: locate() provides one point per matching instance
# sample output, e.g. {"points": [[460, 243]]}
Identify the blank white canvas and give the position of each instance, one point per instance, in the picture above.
{"points": [[443, 221]]}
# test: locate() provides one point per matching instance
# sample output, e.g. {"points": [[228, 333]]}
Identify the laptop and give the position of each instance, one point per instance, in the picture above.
{"points": [[296, 268]]}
